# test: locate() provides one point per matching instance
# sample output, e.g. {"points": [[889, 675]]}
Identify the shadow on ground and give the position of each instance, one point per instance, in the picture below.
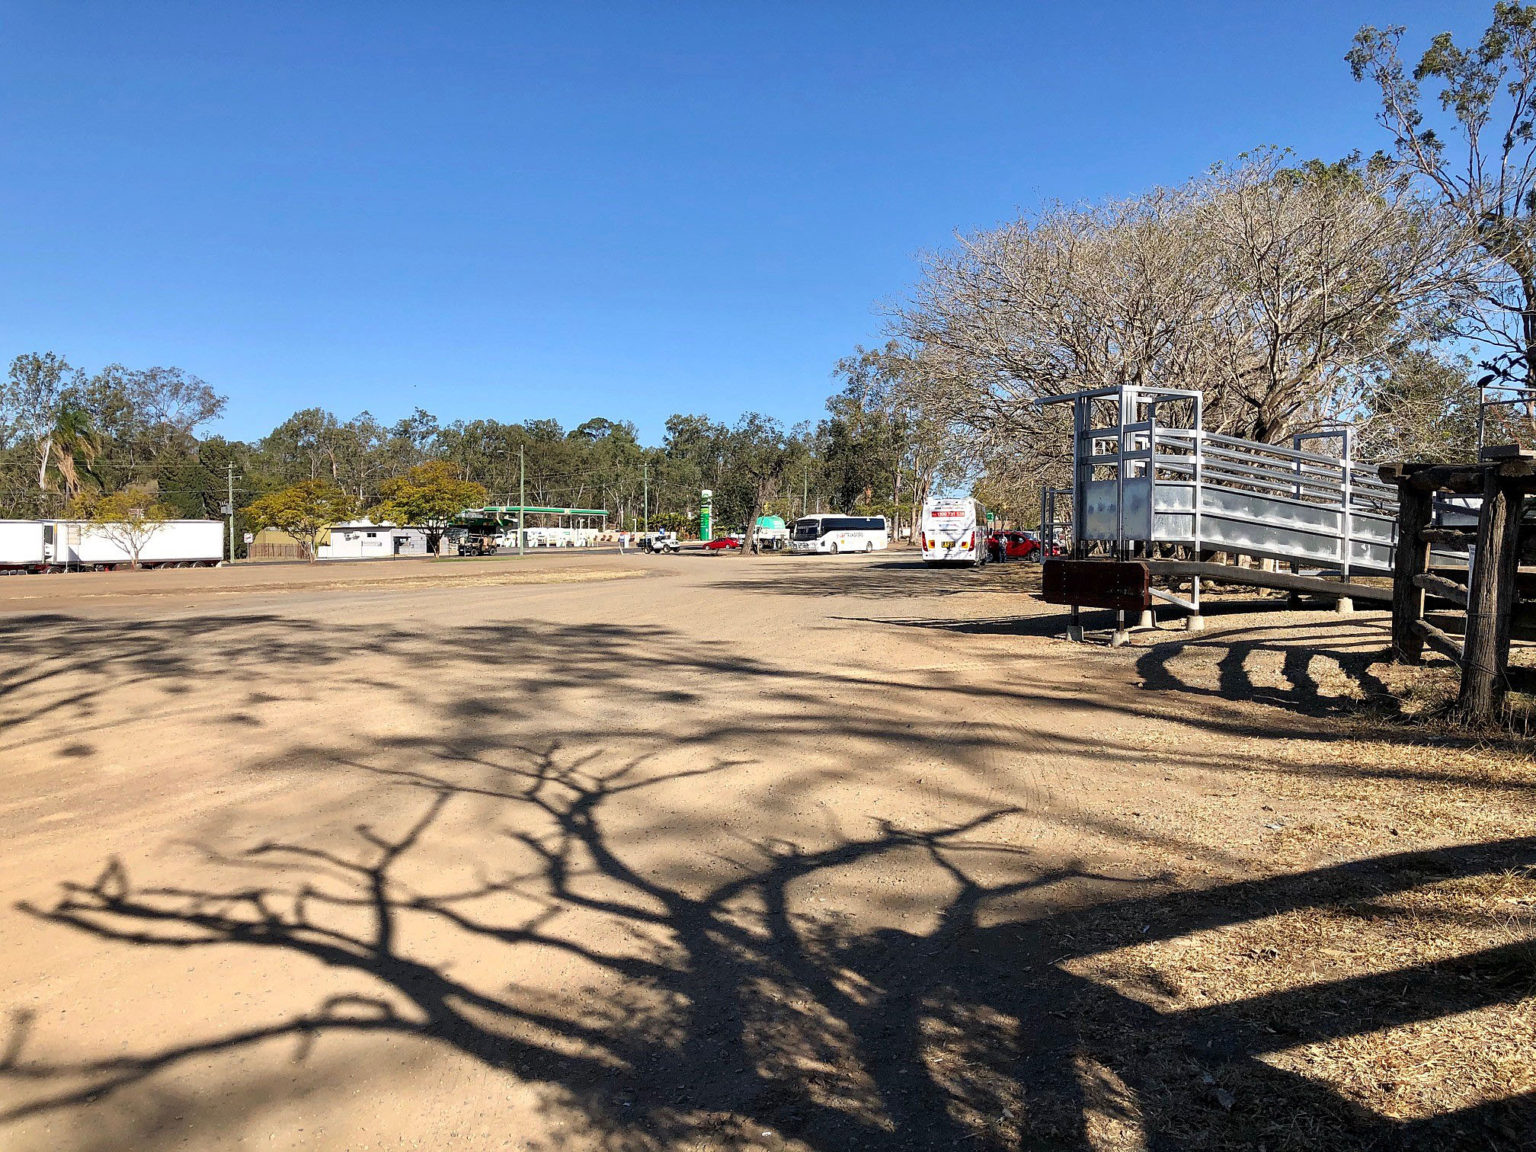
{"points": [[1157, 653], [739, 1011], [970, 1035]]}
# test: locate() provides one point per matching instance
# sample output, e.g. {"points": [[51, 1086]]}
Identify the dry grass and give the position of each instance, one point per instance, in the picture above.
{"points": [[1405, 1004], [1410, 955]]}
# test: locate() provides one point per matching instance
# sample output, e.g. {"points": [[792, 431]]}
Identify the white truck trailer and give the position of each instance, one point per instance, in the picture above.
{"points": [[21, 546], [79, 544]]}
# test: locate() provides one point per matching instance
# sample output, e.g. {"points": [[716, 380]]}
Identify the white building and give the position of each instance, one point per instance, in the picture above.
{"points": [[365, 540]]}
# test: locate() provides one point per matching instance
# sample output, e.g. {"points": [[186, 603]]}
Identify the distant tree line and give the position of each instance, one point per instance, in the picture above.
{"points": [[70, 439]]}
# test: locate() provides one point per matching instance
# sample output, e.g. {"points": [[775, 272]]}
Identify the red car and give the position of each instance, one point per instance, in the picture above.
{"points": [[721, 542], [1014, 545]]}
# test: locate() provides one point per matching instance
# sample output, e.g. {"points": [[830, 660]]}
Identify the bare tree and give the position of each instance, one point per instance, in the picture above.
{"points": [[1323, 274], [1272, 289], [1071, 298]]}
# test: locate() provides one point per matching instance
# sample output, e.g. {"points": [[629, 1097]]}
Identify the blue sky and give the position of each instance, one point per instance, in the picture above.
{"points": [[569, 210]]}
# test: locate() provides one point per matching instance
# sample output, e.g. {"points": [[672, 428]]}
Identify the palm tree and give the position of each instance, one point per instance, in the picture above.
{"points": [[72, 445]]}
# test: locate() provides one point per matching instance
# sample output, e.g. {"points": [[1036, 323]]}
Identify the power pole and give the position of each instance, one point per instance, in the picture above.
{"points": [[645, 487], [805, 491], [229, 507], [522, 499]]}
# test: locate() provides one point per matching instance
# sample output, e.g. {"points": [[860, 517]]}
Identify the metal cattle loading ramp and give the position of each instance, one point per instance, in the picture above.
{"points": [[1151, 485]]}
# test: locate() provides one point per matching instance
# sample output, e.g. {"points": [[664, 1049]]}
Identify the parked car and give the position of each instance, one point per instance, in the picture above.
{"points": [[1014, 545], [477, 545], [662, 543], [720, 543]]}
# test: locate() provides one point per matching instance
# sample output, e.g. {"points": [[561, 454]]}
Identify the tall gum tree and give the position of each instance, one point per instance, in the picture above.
{"points": [[1480, 162]]}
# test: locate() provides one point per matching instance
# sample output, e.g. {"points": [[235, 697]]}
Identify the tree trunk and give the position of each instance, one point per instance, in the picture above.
{"points": [[758, 501]]}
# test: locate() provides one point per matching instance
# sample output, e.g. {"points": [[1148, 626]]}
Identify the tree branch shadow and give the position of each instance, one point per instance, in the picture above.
{"points": [[733, 1009]]}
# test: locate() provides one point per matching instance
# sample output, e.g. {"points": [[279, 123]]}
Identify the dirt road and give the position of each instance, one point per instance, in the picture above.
{"points": [[591, 852]]}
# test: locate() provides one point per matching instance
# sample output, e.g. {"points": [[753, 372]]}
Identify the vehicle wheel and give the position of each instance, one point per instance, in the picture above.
{"points": [[832, 549], [868, 546]]}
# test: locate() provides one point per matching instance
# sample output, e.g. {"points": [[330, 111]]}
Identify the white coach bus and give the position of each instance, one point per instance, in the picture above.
{"points": [[834, 534], [953, 531]]}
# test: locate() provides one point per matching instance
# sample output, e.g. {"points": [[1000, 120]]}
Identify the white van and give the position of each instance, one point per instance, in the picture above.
{"points": [[953, 530]]}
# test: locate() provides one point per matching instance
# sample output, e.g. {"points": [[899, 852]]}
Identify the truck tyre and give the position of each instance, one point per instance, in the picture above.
{"points": [[869, 546], [832, 548]]}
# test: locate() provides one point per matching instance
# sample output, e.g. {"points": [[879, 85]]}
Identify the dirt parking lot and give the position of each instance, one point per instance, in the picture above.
{"points": [[599, 852]]}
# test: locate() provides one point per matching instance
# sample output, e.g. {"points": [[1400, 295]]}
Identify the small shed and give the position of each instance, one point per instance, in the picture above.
{"points": [[365, 540]]}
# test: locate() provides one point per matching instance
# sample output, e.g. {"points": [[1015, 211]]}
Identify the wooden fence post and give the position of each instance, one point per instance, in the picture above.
{"points": [[1490, 600], [1410, 559]]}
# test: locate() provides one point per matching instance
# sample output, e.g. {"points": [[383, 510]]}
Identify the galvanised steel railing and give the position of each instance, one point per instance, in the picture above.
{"points": [[1146, 473]]}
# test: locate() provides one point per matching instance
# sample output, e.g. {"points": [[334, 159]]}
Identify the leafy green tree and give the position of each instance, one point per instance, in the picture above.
{"points": [[303, 510], [1423, 408], [548, 431], [147, 414], [758, 454], [76, 446], [304, 447], [609, 459], [674, 522], [883, 442], [429, 496], [413, 441], [30, 400]]}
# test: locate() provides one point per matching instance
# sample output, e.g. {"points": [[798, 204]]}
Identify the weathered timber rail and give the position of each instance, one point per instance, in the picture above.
{"points": [[1489, 599]]}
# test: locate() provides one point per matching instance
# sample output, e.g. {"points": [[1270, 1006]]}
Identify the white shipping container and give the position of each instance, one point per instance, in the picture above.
{"points": [[21, 544], [79, 543]]}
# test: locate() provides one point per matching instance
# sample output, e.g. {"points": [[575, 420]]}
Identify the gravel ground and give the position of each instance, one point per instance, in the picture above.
{"points": [[599, 852]]}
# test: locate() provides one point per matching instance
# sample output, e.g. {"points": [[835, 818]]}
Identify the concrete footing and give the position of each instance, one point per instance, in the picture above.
{"points": [[1148, 620], [1194, 623], [1075, 633], [1345, 606], [1120, 638]]}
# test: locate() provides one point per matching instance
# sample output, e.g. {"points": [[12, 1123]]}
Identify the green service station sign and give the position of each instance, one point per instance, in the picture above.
{"points": [[706, 514]]}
